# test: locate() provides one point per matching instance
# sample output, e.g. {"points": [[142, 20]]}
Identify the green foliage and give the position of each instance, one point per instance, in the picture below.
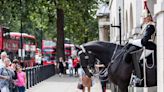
{"points": [[80, 24]]}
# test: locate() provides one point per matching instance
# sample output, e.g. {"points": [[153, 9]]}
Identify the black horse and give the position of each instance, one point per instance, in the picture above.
{"points": [[115, 57]]}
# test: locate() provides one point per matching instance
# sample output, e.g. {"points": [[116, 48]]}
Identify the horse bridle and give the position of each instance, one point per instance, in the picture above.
{"points": [[112, 58], [102, 73], [83, 50]]}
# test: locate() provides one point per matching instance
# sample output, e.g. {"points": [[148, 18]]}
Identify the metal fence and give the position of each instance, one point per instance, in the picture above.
{"points": [[38, 73]]}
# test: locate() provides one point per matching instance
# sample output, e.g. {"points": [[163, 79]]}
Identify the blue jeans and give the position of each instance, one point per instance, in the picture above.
{"points": [[21, 89], [103, 86]]}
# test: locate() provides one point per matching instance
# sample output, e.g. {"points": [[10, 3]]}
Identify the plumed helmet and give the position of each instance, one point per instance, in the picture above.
{"points": [[146, 11]]}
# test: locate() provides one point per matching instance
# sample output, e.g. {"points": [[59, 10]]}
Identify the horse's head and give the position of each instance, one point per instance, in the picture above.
{"points": [[87, 60], [93, 52]]}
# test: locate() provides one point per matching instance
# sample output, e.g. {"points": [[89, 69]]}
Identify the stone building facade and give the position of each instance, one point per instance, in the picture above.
{"points": [[131, 11], [103, 21]]}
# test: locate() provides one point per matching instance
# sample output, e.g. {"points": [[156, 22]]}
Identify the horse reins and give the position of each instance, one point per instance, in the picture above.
{"points": [[113, 58], [104, 72]]}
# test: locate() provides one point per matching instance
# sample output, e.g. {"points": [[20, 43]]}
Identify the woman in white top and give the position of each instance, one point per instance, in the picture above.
{"points": [[85, 80]]}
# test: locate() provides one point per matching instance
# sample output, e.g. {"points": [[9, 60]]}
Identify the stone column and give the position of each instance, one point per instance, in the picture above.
{"points": [[104, 33], [103, 29], [159, 7]]}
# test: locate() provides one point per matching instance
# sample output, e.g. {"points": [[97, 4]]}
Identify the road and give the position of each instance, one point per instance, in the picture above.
{"points": [[62, 84]]}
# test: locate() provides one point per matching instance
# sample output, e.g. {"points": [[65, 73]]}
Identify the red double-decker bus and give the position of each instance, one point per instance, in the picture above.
{"points": [[48, 52], [69, 49], [10, 42]]}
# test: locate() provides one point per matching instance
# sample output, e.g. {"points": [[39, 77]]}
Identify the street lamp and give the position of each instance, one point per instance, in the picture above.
{"points": [[41, 31], [118, 26], [21, 31]]}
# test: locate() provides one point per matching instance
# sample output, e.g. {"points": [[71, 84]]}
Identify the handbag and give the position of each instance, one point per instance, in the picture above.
{"points": [[80, 86]]}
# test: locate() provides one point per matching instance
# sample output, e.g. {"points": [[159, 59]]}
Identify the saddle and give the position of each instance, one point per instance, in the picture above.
{"points": [[145, 53]]}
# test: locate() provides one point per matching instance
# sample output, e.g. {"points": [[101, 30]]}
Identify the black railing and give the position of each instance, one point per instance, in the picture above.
{"points": [[39, 73], [36, 74]]}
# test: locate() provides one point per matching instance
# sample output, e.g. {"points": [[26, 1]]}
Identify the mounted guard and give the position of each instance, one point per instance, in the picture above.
{"points": [[145, 39], [121, 61]]}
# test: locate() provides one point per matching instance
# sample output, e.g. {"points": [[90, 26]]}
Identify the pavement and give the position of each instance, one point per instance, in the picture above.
{"points": [[62, 84]]}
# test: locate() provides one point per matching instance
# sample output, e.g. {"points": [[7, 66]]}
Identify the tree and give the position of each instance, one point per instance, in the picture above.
{"points": [[60, 29], [80, 22], [73, 19]]}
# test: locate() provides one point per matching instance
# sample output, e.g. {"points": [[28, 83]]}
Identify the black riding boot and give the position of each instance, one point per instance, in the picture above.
{"points": [[136, 57], [135, 53]]}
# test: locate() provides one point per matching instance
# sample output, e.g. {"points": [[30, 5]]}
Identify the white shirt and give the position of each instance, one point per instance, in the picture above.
{"points": [[70, 63], [1, 64], [38, 59], [81, 72]]}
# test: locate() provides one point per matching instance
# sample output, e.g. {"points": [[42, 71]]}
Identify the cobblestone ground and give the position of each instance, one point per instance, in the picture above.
{"points": [[62, 84]]}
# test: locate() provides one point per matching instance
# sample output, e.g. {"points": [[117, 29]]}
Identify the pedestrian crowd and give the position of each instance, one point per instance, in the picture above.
{"points": [[72, 67], [12, 78], [70, 64]]}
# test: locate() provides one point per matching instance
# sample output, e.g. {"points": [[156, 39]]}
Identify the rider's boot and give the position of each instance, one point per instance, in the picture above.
{"points": [[137, 69]]}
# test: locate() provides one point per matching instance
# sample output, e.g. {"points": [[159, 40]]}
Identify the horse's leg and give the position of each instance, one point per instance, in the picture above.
{"points": [[123, 87], [113, 87]]}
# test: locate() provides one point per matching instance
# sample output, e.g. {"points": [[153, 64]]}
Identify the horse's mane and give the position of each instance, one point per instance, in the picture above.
{"points": [[99, 45]]}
